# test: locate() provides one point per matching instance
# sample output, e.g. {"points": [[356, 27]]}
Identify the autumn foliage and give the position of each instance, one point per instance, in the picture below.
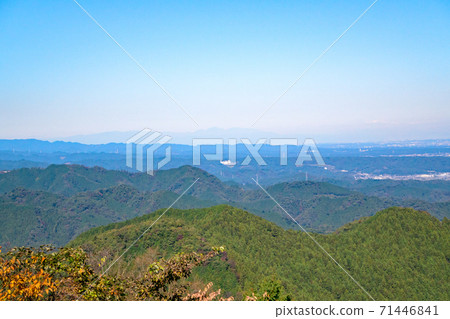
{"points": [[24, 278], [64, 274]]}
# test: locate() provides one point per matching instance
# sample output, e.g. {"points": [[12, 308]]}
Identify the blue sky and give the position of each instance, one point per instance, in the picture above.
{"points": [[388, 78]]}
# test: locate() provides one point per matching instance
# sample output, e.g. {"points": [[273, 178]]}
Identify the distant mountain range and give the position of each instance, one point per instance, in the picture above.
{"points": [[53, 205], [178, 137], [113, 145], [344, 162], [238, 133]]}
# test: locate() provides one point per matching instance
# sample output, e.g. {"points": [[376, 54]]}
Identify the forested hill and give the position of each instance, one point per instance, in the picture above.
{"points": [[53, 205], [398, 254], [71, 179], [35, 218]]}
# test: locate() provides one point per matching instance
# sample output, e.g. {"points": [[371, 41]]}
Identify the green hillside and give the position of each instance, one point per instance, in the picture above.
{"points": [[398, 254], [69, 180], [324, 207], [429, 191], [53, 205], [34, 218]]}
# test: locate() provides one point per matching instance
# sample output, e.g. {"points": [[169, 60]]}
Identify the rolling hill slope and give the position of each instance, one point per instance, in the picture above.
{"points": [[398, 254], [34, 218], [69, 180], [52, 205]]}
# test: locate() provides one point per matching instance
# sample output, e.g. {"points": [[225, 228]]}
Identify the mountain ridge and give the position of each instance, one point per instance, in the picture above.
{"points": [[397, 254], [57, 203]]}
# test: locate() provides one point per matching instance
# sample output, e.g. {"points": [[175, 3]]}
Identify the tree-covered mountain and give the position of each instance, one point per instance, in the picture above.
{"points": [[324, 207], [429, 191], [52, 205], [398, 254], [34, 218], [72, 179]]}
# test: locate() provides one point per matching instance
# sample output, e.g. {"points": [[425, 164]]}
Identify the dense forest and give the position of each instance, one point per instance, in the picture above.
{"points": [[398, 254], [220, 241], [54, 205]]}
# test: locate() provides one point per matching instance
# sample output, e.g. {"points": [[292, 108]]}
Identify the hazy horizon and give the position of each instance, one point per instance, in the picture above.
{"points": [[185, 138]]}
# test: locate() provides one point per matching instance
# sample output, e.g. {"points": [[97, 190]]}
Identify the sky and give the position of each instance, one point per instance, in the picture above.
{"points": [[225, 62]]}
